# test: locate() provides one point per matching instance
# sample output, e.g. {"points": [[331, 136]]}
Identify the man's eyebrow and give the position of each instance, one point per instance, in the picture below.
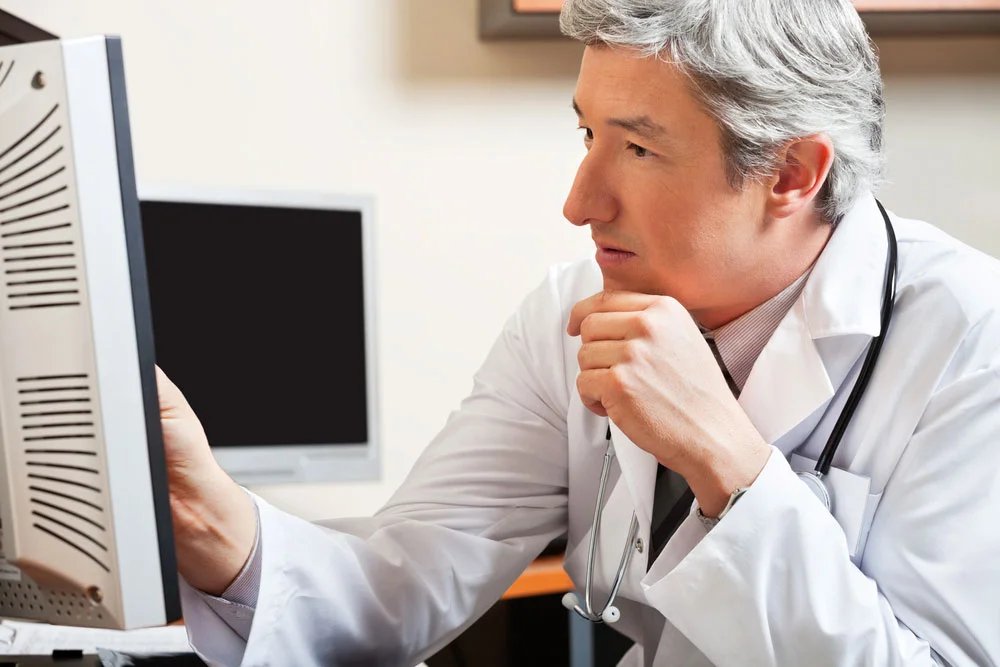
{"points": [[644, 126]]}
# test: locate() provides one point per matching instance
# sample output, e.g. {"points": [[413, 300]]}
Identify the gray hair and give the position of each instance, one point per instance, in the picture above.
{"points": [[768, 71]]}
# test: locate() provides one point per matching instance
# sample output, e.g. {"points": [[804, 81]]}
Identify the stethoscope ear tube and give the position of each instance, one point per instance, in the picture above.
{"points": [[609, 613], [871, 358]]}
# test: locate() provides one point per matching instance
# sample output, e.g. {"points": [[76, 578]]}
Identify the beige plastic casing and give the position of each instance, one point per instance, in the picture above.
{"points": [[78, 532]]}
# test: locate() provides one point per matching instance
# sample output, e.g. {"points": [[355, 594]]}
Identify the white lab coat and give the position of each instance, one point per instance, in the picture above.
{"points": [[773, 584]]}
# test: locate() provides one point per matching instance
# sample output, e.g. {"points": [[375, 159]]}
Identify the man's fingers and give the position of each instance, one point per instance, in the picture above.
{"points": [[602, 354], [608, 326], [591, 385], [607, 302], [172, 400]]}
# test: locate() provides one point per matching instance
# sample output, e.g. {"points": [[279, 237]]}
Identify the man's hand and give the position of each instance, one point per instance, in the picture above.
{"points": [[215, 523], [645, 365]]}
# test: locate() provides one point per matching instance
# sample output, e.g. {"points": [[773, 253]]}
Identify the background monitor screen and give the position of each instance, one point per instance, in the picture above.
{"points": [[259, 318]]}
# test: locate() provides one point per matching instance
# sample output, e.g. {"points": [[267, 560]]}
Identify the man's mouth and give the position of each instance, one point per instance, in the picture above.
{"points": [[611, 256], [611, 247]]}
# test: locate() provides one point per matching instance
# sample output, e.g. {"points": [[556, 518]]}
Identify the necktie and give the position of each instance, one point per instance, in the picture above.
{"points": [[672, 496]]}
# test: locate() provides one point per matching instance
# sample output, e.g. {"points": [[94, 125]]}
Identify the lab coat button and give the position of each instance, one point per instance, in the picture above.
{"points": [[638, 544]]}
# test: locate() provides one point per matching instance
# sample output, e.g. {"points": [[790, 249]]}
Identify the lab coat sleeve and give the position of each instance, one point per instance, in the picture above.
{"points": [[773, 584], [483, 500]]}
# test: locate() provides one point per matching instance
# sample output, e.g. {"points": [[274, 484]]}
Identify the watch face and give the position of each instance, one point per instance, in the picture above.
{"points": [[737, 494]]}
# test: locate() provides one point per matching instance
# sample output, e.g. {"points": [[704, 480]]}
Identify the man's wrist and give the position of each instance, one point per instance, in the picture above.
{"points": [[214, 531], [715, 482]]}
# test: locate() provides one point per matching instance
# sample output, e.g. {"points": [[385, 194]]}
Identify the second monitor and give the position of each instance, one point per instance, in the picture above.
{"points": [[263, 315]]}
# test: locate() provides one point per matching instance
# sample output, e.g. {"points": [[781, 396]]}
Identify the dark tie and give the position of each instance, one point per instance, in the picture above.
{"points": [[672, 497]]}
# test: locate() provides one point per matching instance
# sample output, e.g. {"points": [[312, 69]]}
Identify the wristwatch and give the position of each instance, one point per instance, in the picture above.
{"points": [[710, 523]]}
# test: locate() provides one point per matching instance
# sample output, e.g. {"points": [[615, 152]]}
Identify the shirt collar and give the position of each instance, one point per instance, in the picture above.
{"points": [[739, 342]]}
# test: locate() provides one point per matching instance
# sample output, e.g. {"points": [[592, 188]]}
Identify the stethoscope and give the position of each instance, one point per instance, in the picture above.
{"points": [[814, 479]]}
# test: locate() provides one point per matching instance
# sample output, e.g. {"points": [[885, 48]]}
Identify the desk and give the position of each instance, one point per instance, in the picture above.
{"points": [[543, 577]]}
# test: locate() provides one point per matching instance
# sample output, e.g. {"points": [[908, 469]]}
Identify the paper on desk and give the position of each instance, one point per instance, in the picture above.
{"points": [[42, 638]]}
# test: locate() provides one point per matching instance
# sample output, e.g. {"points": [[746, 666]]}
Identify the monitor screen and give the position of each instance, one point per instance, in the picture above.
{"points": [[259, 318]]}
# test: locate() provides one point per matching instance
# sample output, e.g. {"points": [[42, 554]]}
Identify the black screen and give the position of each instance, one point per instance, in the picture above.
{"points": [[258, 317]]}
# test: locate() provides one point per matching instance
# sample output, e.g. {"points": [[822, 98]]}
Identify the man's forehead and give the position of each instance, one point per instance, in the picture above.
{"points": [[637, 93], [622, 78]]}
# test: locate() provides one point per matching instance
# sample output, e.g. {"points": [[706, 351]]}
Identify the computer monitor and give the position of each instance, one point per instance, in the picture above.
{"points": [[85, 525], [263, 307]]}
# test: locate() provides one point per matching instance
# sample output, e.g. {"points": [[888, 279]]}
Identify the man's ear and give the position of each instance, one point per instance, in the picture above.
{"points": [[805, 165]]}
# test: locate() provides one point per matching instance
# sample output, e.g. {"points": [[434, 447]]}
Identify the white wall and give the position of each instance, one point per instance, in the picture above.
{"points": [[469, 149]]}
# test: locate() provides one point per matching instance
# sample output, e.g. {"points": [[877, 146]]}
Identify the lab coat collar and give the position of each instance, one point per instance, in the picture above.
{"points": [[842, 297], [790, 379], [844, 293]]}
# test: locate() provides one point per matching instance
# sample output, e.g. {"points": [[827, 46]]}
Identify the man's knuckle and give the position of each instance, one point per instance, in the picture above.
{"points": [[671, 305], [617, 379], [643, 323]]}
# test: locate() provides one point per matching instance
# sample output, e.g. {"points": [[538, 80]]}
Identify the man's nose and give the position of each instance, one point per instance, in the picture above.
{"points": [[591, 198]]}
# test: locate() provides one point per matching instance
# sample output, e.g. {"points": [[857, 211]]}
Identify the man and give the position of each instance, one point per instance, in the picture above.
{"points": [[733, 146]]}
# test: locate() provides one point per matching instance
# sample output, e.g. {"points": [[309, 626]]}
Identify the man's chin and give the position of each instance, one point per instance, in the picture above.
{"points": [[620, 283], [628, 286]]}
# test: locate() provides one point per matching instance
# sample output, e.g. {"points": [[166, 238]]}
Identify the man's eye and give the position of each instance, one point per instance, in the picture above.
{"points": [[588, 133], [638, 150]]}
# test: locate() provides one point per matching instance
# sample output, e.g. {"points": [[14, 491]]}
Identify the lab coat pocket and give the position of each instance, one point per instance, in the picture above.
{"points": [[870, 508], [853, 504]]}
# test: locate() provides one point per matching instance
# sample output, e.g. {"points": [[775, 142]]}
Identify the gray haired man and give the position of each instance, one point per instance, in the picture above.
{"points": [[676, 383]]}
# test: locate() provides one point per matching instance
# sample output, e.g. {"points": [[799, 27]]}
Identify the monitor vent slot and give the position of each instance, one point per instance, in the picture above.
{"points": [[64, 477], [4, 73], [40, 255], [61, 533]]}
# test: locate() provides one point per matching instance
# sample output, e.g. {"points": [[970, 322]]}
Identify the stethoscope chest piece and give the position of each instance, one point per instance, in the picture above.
{"points": [[815, 483]]}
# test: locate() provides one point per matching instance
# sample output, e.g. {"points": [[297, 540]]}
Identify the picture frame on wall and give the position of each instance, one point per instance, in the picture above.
{"points": [[539, 19]]}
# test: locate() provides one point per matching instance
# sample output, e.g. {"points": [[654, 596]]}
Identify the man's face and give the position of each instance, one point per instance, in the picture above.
{"points": [[653, 188]]}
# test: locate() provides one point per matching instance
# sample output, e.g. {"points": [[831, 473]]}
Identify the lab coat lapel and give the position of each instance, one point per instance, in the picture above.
{"points": [[638, 468], [790, 379]]}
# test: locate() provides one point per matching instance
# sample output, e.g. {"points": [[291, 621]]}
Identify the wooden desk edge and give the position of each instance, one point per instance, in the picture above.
{"points": [[545, 576]]}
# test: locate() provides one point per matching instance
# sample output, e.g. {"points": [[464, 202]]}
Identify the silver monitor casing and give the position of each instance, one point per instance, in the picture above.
{"points": [[87, 537], [289, 463]]}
